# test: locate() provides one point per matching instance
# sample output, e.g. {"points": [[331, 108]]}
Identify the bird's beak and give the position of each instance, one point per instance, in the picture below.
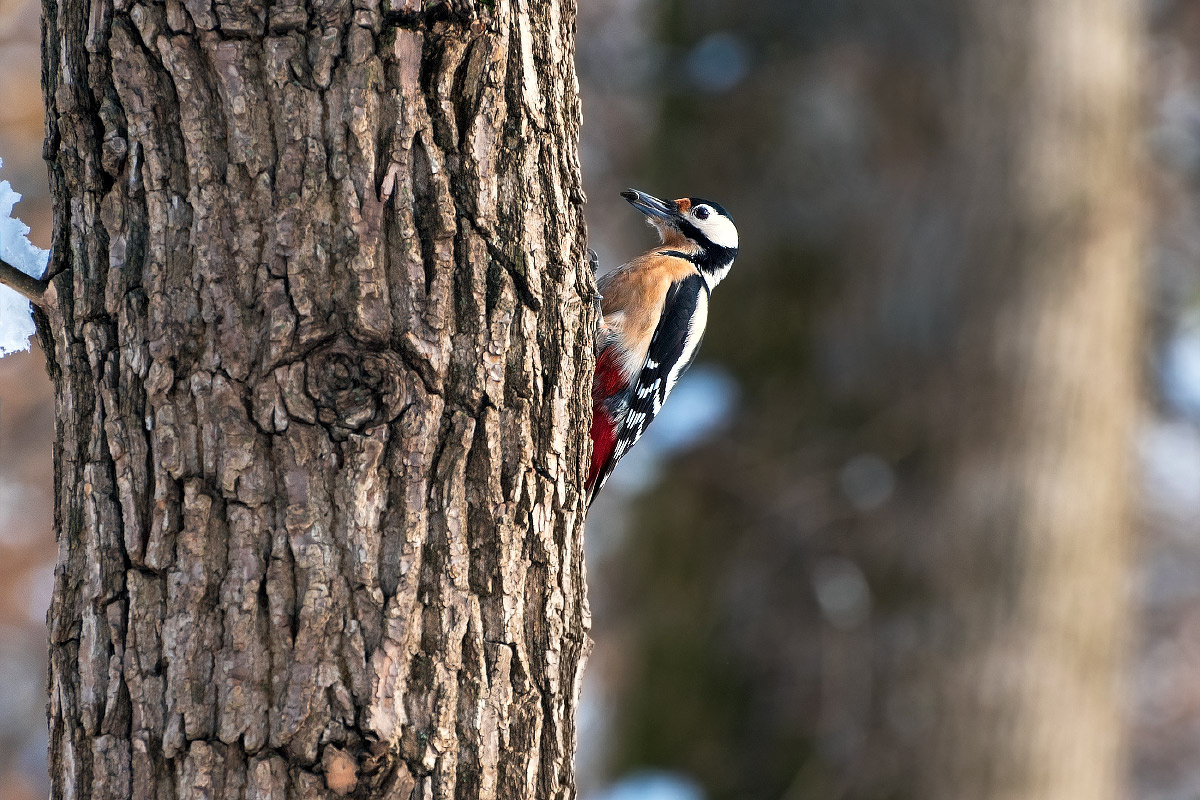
{"points": [[650, 205]]}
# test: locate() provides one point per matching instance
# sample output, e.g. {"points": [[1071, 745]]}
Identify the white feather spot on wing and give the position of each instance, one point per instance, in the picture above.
{"points": [[691, 342]]}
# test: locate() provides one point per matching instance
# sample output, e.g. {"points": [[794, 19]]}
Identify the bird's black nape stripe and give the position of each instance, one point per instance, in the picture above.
{"points": [[711, 260], [712, 257]]}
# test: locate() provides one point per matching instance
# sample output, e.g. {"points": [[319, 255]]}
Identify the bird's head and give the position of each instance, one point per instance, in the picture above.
{"points": [[701, 224], [700, 230]]}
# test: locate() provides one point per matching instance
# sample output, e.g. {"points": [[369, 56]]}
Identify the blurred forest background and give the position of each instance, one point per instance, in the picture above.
{"points": [[763, 569]]}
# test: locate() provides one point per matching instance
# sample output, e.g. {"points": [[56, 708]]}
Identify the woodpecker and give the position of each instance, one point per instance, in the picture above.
{"points": [[653, 313]]}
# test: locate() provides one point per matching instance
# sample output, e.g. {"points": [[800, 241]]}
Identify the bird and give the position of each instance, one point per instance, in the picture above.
{"points": [[653, 313]]}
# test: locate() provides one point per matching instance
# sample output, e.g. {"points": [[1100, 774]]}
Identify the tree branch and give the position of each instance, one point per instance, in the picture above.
{"points": [[32, 289]]}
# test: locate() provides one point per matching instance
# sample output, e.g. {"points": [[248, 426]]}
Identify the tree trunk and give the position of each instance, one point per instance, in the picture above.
{"points": [[322, 370], [1033, 538], [902, 572]]}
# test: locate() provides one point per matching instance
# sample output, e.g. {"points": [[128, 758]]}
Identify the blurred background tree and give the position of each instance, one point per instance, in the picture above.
{"points": [[770, 573], [907, 545]]}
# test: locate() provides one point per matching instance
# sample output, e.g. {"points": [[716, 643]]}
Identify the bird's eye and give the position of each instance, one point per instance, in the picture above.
{"points": [[702, 212]]}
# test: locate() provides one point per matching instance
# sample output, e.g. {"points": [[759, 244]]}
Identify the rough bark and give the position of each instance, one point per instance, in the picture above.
{"points": [[322, 368]]}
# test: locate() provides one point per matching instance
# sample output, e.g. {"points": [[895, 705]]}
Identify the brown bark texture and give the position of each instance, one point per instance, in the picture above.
{"points": [[322, 370]]}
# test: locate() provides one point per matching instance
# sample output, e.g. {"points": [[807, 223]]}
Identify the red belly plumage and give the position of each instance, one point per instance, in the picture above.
{"points": [[604, 441], [607, 382]]}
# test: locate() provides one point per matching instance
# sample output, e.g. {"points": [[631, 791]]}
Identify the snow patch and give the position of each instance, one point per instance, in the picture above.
{"points": [[16, 314]]}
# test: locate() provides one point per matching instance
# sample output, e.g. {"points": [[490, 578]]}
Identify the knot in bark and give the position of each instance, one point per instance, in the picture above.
{"points": [[355, 390]]}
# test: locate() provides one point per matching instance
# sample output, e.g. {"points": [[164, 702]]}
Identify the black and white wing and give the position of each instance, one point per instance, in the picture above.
{"points": [[672, 348]]}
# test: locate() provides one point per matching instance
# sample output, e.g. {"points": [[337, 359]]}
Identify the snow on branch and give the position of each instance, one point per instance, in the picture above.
{"points": [[21, 266]]}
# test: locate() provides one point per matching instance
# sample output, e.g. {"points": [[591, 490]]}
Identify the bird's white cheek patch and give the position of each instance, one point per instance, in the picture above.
{"points": [[720, 231]]}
